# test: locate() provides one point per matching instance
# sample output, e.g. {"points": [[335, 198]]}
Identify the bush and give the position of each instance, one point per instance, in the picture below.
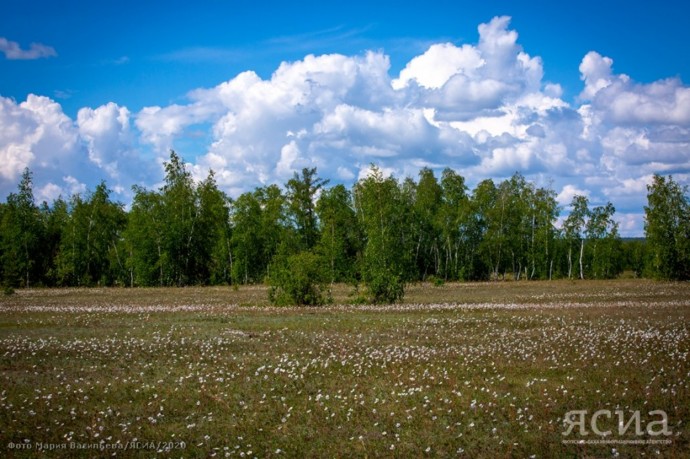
{"points": [[299, 279], [436, 281], [384, 287]]}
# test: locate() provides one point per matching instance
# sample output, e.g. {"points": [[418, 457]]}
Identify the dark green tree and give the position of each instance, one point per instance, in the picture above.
{"points": [[604, 243], [22, 236], [55, 222], [667, 228], [212, 246], [258, 230], [248, 264], [181, 220], [90, 243], [340, 236], [453, 222], [489, 209], [147, 263], [427, 201], [544, 213], [301, 197], [382, 212]]}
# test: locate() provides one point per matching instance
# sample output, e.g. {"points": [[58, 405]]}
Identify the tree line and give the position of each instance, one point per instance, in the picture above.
{"points": [[381, 234]]}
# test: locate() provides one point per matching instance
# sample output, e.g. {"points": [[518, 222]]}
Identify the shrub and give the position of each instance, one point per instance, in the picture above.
{"points": [[299, 279], [385, 287], [436, 281]]}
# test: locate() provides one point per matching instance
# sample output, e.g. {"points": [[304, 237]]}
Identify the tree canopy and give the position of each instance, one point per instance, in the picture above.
{"points": [[383, 233]]}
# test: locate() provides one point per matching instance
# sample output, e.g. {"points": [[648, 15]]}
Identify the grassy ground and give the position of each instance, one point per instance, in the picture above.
{"points": [[461, 370]]}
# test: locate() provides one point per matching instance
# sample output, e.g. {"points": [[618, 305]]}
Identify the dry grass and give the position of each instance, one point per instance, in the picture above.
{"points": [[476, 370]]}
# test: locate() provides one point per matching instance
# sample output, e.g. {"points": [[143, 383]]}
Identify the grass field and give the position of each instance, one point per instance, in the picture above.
{"points": [[460, 370]]}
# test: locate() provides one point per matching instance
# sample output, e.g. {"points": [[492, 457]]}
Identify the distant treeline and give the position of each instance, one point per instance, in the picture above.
{"points": [[382, 233]]}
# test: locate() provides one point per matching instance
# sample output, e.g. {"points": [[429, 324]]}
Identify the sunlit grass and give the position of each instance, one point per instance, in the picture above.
{"points": [[475, 370]]}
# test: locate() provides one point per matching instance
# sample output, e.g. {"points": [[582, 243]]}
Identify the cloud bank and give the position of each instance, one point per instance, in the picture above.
{"points": [[483, 109]]}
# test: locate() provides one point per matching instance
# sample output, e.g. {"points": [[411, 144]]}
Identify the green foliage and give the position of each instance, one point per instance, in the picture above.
{"points": [[667, 227], [180, 234], [299, 279], [145, 233], [383, 233], [634, 256], [426, 229], [88, 249], [384, 286], [301, 193], [211, 249], [258, 227], [605, 259], [574, 227], [21, 236], [340, 236], [436, 281], [383, 214]]}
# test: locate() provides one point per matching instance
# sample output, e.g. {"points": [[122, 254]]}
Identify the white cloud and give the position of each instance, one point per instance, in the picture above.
{"points": [[18, 129], [565, 197], [66, 156], [438, 64], [596, 72], [35, 133], [636, 129], [623, 101], [48, 193], [112, 146], [14, 51], [160, 126], [106, 131]]}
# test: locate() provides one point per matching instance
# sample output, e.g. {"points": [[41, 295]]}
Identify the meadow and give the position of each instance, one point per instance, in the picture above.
{"points": [[457, 370]]}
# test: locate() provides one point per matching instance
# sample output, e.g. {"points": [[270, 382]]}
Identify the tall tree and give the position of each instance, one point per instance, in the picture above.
{"points": [[258, 230], [301, 196], [453, 221], [667, 227], [574, 227], [181, 215], [426, 231], [484, 200], [340, 235], [22, 233], [544, 212], [56, 222], [212, 247], [147, 260], [248, 264], [602, 235], [89, 247], [382, 213]]}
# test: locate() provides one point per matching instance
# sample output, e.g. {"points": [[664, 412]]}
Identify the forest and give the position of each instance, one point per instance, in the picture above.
{"points": [[379, 235]]}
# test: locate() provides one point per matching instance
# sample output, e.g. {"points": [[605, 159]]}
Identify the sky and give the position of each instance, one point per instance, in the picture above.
{"points": [[588, 98]]}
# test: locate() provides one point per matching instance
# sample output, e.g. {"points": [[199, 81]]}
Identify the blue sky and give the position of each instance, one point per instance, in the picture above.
{"points": [[590, 97]]}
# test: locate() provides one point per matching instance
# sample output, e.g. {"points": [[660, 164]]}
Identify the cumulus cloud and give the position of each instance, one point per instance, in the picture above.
{"points": [[106, 132], [35, 131], [13, 51], [634, 129], [565, 197], [67, 156], [438, 64], [481, 108]]}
